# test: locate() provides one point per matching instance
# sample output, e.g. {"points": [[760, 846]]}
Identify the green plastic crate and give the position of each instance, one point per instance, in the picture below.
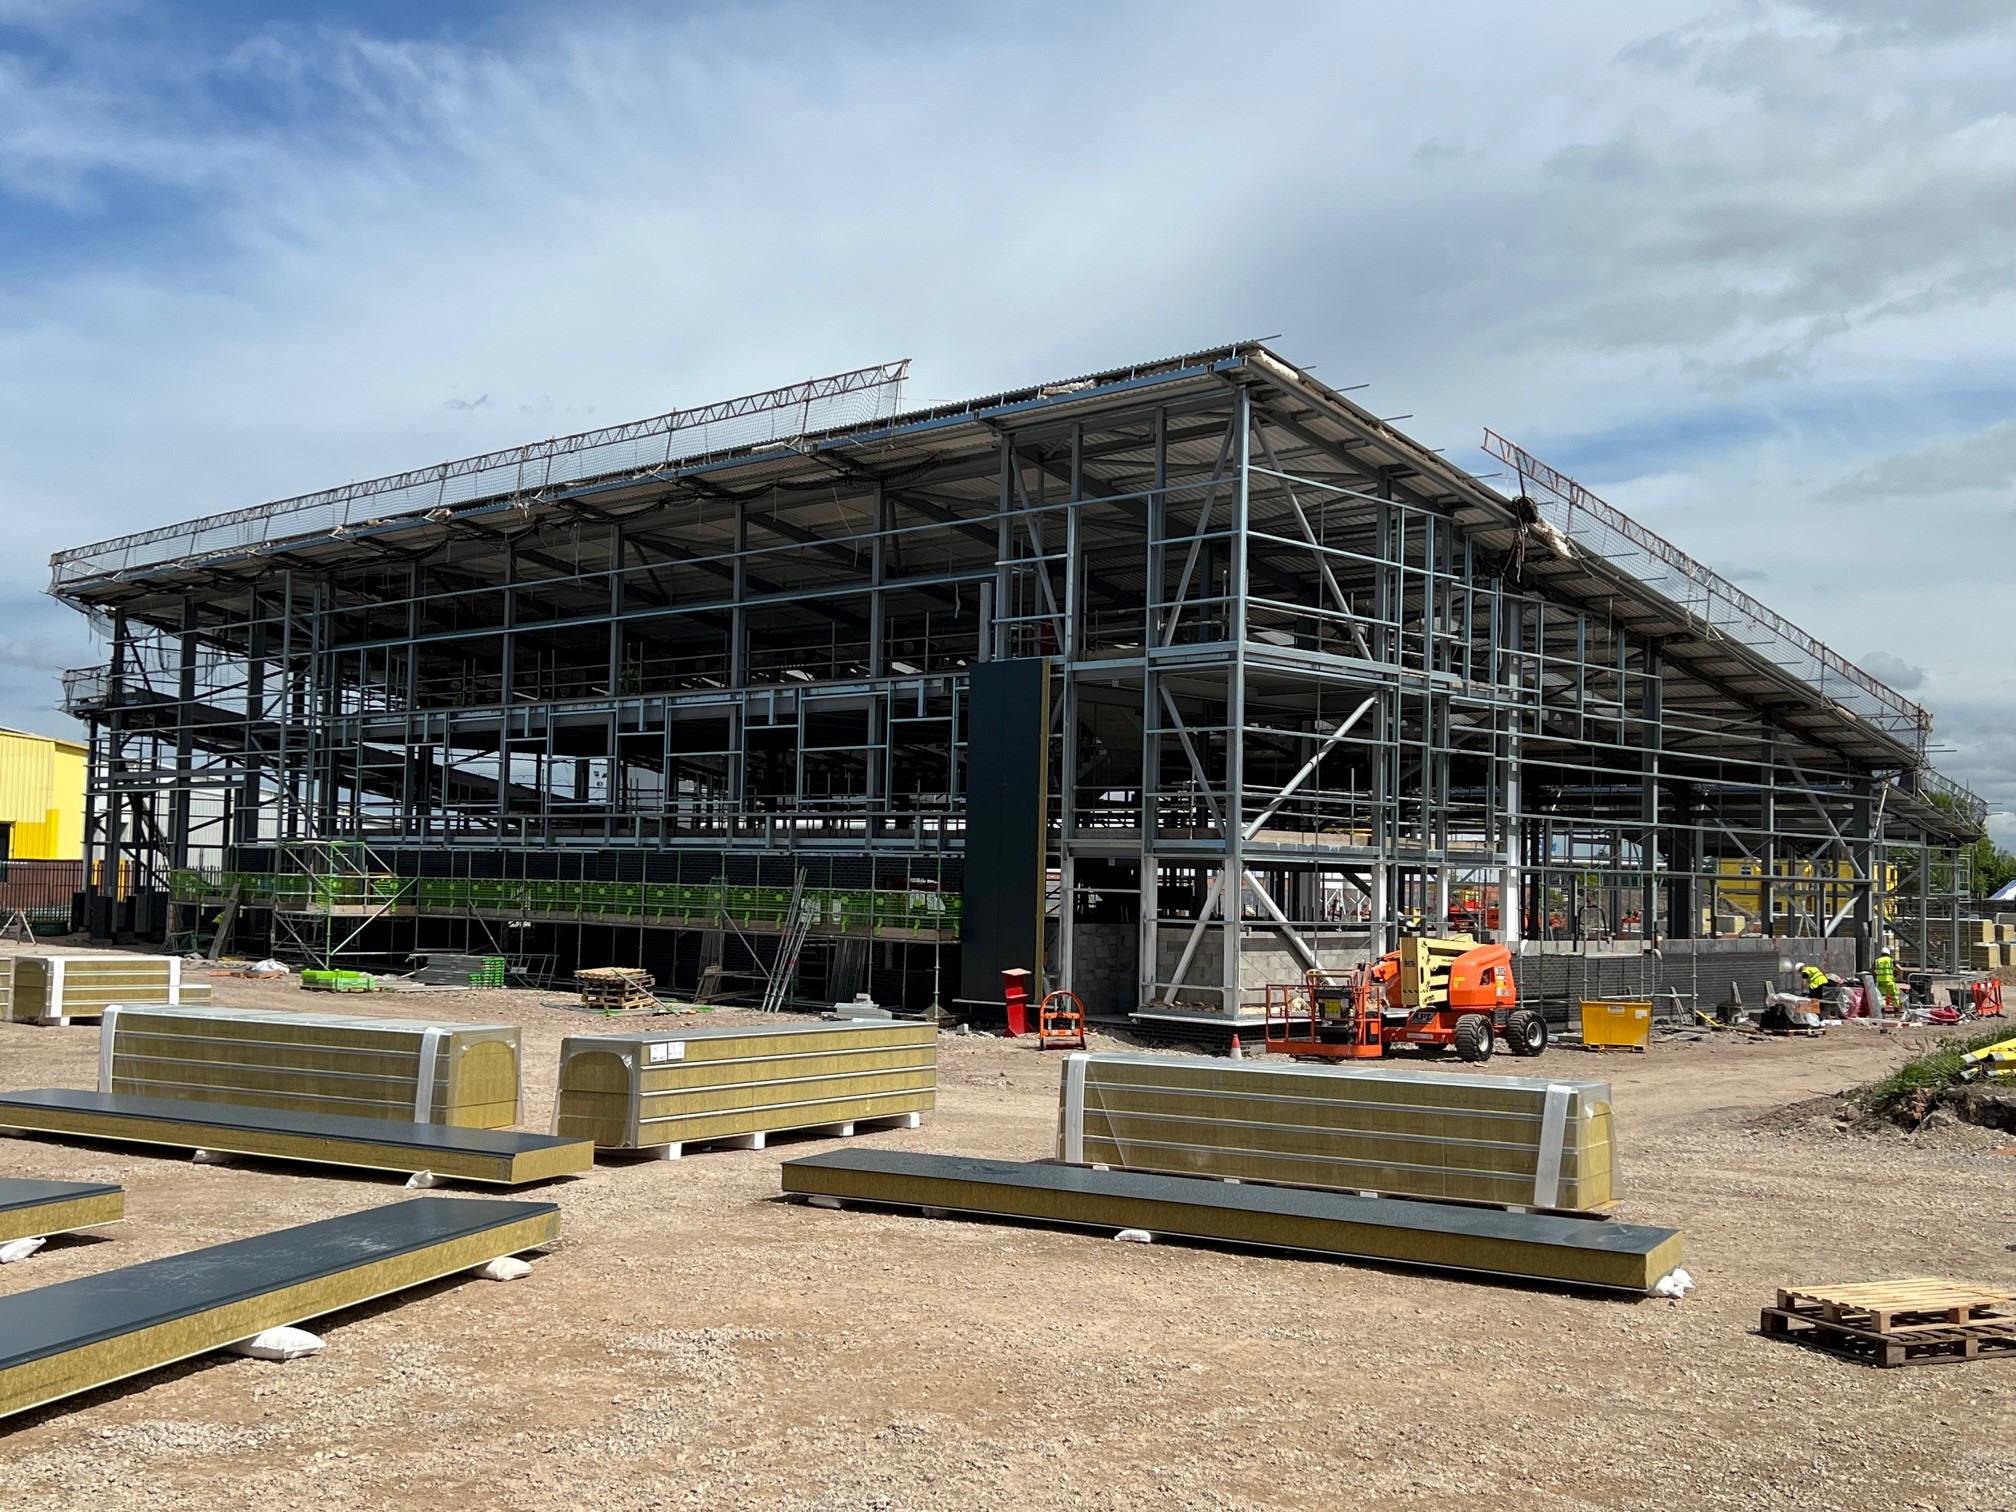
{"points": [[338, 981]]}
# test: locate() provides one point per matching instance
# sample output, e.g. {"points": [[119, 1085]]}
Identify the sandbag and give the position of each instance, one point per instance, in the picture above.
{"points": [[279, 1344]]}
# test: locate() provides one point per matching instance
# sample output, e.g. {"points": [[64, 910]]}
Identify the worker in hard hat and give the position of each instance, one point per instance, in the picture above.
{"points": [[1814, 978], [1885, 972]]}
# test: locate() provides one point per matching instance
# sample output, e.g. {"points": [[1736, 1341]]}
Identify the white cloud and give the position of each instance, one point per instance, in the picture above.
{"points": [[404, 250], [1986, 459], [1893, 670]]}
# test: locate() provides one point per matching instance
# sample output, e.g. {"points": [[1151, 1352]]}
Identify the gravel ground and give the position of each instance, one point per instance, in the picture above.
{"points": [[693, 1342]]}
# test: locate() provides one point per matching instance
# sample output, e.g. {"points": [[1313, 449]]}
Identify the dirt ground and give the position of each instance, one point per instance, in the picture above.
{"points": [[693, 1341]]}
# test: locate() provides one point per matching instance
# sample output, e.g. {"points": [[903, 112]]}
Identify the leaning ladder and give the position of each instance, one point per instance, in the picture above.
{"points": [[797, 924]]}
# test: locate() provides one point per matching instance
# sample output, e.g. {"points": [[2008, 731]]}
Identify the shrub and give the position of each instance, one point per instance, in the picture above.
{"points": [[1907, 1094]]}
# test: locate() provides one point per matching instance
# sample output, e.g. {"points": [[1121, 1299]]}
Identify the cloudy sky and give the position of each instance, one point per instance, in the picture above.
{"points": [[1746, 269]]}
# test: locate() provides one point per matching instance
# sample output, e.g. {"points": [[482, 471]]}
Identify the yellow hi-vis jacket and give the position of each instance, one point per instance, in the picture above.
{"points": [[1815, 977]]}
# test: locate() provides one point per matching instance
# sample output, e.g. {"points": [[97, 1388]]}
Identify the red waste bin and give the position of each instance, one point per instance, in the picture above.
{"points": [[1015, 991]]}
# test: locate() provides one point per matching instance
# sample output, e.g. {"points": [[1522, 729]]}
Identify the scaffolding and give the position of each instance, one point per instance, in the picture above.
{"points": [[1312, 680], [325, 896]]}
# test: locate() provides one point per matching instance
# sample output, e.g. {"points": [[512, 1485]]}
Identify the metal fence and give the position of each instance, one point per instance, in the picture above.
{"points": [[42, 890]]}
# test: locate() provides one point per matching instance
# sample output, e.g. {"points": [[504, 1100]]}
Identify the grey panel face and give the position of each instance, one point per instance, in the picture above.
{"points": [[16, 1193], [53, 1319], [377, 1131], [1042, 1178]]}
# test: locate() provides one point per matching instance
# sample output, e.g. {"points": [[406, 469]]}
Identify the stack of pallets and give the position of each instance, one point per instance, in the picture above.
{"points": [[616, 989], [1927, 1321]]}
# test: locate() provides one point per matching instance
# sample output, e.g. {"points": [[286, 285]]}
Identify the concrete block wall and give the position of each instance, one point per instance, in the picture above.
{"points": [[1264, 957], [1703, 972], [1104, 967]]}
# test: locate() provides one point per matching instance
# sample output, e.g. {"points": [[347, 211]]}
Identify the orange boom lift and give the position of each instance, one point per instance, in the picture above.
{"points": [[1429, 994]]}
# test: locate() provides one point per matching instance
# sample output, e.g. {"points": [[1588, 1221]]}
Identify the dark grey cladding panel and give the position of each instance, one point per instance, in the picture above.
{"points": [[334, 1127], [1224, 1196], [52, 1320], [21, 1192]]}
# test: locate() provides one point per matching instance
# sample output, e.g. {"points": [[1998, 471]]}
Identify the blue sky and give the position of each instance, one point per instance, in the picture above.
{"points": [[1746, 268]]}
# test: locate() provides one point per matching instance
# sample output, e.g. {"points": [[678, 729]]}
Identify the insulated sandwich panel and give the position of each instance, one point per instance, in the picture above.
{"points": [[1402, 1132], [59, 1340], [1625, 1257], [502, 1157], [637, 1091], [31, 1209], [461, 1075], [55, 989]]}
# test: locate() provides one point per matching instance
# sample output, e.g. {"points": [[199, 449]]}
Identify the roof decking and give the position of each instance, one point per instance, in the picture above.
{"points": [[815, 437]]}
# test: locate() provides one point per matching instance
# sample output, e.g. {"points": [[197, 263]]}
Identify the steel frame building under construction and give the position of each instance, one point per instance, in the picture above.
{"points": [[1165, 682]]}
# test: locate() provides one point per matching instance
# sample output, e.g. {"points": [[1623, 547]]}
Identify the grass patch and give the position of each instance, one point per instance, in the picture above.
{"points": [[1907, 1094]]}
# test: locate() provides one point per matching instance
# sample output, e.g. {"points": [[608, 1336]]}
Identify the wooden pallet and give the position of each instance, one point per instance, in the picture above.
{"points": [[616, 989], [1925, 1321]]}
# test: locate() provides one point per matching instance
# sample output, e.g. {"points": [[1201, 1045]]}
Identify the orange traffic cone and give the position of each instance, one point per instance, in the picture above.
{"points": [[1238, 1051]]}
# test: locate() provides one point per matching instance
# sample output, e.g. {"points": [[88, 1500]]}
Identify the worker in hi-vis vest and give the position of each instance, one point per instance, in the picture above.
{"points": [[1814, 978], [1885, 972]]}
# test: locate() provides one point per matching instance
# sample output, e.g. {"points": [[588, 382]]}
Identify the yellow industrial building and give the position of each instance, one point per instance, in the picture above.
{"points": [[1813, 891], [41, 798]]}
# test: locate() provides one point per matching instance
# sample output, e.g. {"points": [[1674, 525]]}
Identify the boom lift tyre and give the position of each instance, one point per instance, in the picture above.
{"points": [[1473, 1037], [1526, 1032]]}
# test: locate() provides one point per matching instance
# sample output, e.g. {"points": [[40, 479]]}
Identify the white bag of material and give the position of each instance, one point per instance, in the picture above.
{"points": [[18, 1249], [419, 1181], [278, 1344], [509, 1268], [210, 1157], [1675, 1283], [1134, 1236], [268, 969]]}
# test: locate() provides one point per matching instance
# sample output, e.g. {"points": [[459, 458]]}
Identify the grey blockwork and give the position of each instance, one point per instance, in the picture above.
{"points": [[1701, 972]]}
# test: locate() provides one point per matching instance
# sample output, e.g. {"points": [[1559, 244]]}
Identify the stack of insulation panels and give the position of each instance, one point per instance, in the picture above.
{"points": [[56, 989], [1507, 1140], [660, 1091], [461, 1075]]}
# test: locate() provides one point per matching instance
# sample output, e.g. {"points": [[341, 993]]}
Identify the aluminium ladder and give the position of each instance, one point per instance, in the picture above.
{"points": [[797, 924]]}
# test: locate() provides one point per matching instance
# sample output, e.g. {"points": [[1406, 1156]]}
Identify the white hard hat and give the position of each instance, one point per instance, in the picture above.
{"points": [[1798, 965]]}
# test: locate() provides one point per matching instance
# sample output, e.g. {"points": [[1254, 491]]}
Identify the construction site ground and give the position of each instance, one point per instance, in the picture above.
{"points": [[693, 1341]]}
